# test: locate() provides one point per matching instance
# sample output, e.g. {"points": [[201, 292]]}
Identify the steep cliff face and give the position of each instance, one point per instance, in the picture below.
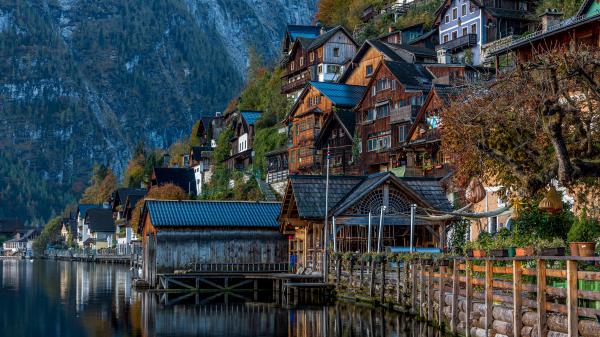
{"points": [[83, 81]]}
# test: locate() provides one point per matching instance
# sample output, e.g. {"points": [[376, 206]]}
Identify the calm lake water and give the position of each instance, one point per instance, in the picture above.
{"points": [[64, 299]]}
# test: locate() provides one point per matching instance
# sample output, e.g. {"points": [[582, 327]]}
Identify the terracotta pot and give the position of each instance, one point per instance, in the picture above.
{"points": [[582, 248], [478, 253], [524, 251]]}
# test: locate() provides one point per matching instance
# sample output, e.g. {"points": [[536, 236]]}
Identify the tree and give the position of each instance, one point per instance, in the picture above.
{"points": [[535, 124], [48, 235], [104, 183], [165, 192]]}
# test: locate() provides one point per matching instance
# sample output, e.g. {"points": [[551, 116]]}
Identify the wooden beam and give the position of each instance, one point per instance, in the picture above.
{"points": [[572, 315], [489, 296], [468, 296], [455, 294], [441, 296], [517, 299], [541, 297], [430, 293]]}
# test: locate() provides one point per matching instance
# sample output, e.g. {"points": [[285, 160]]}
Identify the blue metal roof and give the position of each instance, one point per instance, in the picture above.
{"points": [[340, 94], [297, 31], [251, 116], [167, 213]]}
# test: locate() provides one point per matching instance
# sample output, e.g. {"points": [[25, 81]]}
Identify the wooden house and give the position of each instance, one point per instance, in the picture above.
{"points": [[353, 203], [465, 27], [100, 228], [243, 137], [183, 235], [277, 165], [403, 35], [372, 52], [394, 94], [420, 149], [201, 163], [179, 176], [337, 139], [316, 103], [584, 28], [321, 59], [293, 32], [82, 227]]}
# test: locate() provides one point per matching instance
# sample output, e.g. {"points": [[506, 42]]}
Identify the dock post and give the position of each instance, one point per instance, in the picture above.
{"points": [[572, 316], [398, 282], [441, 296], [413, 295], [372, 285], [383, 263], [421, 290]]}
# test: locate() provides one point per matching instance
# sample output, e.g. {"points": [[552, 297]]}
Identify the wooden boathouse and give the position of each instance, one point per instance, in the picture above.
{"points": [[183, 237]]}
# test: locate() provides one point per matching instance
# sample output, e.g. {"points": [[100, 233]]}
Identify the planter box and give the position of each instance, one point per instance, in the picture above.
{"points": [[552, 251], [527, 251], [582, 248], [479, 253], [499, 253]]}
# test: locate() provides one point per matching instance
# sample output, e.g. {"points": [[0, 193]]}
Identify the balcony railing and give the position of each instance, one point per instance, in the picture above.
{"points": [[273, 177], [288, 87], [404, 113], [460, 43]]}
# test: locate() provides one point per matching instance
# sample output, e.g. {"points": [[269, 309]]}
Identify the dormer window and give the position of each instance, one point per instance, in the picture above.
{"points": [[369, 70], [447, 19]]}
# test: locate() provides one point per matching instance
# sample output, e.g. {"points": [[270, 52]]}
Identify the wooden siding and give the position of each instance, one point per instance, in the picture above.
{"points": [[372, 57], [347, 49], [181, 249]]}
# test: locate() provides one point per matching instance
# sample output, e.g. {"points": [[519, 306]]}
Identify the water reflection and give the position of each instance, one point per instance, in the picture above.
{"points": [[47, 298]]}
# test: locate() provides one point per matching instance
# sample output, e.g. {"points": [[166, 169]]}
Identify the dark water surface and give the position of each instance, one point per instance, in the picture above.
{"points": [[64, 299]]}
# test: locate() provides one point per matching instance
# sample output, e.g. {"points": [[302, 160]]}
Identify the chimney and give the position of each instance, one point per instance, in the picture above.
{"points": [[550, 17], [443, 56]]}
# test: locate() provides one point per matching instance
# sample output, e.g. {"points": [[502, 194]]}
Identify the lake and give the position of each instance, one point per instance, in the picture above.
{"points": [[64, 299]]}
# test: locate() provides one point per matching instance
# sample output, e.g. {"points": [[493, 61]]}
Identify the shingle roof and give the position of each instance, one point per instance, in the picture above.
{"points": [[346, 118], [297, 31], [423, 37], [309, 192], [386, 49], [412, 76], [167, 213], [121, 194], [323, 38], [83, 208], [182, 177], [100, 220], [340, 94], [251, 116], [431, 190], [417, 50]]}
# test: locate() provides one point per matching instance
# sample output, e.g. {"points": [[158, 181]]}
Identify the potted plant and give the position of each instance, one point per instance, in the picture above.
{"points": [[498, 247], [523, 246], [581, 236], [554, 247], [468, 248]]}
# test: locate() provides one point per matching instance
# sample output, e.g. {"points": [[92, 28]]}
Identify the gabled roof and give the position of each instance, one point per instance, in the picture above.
{"points": [[341, 95], [215, 214], [345, 191], [411, 76], [345, 118], [100, 220], [182, 177], [422, 37], [443, 92], [416, 50], [83, 208], [121, 194], [323, 38], [251, 116], [585, 6]]}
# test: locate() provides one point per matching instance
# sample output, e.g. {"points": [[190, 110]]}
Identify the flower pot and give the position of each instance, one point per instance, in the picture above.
{"points": [[582, 248], [478, 253], [499, 252], [560, 251], [524, 251]]}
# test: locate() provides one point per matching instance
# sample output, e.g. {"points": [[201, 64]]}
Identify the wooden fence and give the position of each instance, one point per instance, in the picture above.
{"points": [[530, 297]]}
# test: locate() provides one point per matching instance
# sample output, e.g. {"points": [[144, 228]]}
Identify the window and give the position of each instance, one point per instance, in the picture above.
{"points": [[447, 18], [464, 31], [369, 70], [379, 141], [320, 69], [464, 9], [474, 28], [394, 84], [454, 35], [312, 56], [383, 84], [445, 38], [336, 52], [382, 110], [292, 65], [472, 8], [401, 133], [315, 100], [333, 69], [302, 61], [454, 13], [374, 91]]}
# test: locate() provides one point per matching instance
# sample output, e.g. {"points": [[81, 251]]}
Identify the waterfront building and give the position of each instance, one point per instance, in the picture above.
{"points": [[100, 228], [68, 229], [277, 166], [200, 160], [121, 207], [21, 243], [319, 58], [336, 139], [184, 235], [242, 124], [467, 28], [353, 203], [316, 103], [82, 227]]}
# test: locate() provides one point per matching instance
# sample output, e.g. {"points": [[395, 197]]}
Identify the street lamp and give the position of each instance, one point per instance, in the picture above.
{"points": [[380, 234]]}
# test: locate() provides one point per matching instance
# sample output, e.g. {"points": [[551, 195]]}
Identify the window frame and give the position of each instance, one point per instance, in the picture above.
{"points": [[454, 13]]}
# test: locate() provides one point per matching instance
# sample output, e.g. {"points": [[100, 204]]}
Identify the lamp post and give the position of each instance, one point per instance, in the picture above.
{"points": [[380, 233], [413, 209], [369, 235], [326, 224]]}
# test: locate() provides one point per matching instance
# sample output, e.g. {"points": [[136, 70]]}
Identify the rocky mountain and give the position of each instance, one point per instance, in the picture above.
{"points": [[83, 81]]}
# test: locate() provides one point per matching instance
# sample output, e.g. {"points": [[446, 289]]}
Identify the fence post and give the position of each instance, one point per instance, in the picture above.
{"points": [[489, 296], [421, 290], [541, 297], [468, 296], [572, 316], [383, 265], [338, 266], [441, 296], [362, 273], [350, 281], [398, 281], [455, 294], [372, 285], [517, 299], [413, 296], [430, 293]]}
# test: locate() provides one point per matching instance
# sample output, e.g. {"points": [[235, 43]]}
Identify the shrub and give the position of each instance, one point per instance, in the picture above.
{"points": [[584, 229]]}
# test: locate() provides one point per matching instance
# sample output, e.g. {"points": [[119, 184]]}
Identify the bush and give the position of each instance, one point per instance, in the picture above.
{"points": [[584, 229]]}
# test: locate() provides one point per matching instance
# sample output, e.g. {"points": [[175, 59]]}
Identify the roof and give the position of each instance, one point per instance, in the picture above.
{"points": [[276, 152], [346, 118], [121, 194], [412, 76], [168, 213], [422, 37], [323, 38], [444, 92], [251, 116], [340, 94], [100, 220], [585, 5], [197, 152], [345, 191], [297, 31], [417, 50], [509, 13], [83, 208], [182, 177]]}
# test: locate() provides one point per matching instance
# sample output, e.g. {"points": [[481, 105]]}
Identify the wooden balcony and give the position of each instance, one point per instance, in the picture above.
{"points": [[288, 87], [435, 171], [404, 114], [460, 43]]}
